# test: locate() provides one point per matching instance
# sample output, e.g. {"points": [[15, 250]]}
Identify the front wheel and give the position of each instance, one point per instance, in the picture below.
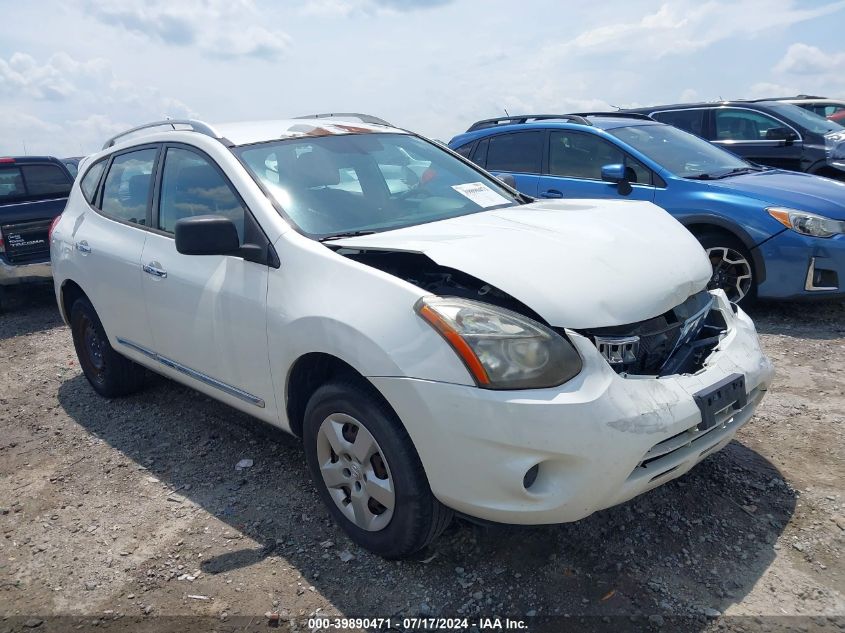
{"points": [[733, 270], [368, 473]]}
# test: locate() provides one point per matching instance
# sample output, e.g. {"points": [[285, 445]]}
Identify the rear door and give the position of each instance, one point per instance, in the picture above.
{"points": [[108, 242], [207, 312], [575, 160], [517, 153], [757, 137]]}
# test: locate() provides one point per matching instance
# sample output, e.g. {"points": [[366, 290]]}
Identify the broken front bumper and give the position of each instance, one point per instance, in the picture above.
{"points": [[596, 441]]}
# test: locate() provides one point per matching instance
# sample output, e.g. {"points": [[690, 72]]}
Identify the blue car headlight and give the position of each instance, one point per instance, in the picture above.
{"points": [[807, 223]]}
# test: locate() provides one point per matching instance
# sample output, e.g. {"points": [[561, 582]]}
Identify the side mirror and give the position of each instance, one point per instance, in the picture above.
{"points": [[508, 179], [207, 235], [613, 173], [781, 134]]}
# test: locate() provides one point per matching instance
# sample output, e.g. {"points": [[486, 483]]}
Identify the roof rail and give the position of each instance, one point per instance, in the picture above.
{"points": [[195, 126], [620, 114], [526, 118], [363, 118]]}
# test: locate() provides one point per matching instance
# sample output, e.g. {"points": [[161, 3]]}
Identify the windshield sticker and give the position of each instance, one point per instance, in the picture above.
{"points": [[481, 194]]}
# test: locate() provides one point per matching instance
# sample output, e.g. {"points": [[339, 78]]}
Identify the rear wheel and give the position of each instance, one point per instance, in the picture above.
{"points": [[110, 374], [733, 268], [368, 473]]}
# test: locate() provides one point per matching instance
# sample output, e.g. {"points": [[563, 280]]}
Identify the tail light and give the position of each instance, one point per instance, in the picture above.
{"points": [[53, 226]]}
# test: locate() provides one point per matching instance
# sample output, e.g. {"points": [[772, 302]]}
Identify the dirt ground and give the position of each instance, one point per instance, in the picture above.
{"points": [[131, 510]]}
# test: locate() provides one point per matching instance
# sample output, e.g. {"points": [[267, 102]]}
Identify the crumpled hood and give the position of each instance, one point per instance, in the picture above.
{"points": [[577, 263], [795, 190]]}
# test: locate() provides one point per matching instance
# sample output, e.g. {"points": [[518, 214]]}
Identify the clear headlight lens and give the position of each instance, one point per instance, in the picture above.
{"points": [[807, 223], [501, 349]]}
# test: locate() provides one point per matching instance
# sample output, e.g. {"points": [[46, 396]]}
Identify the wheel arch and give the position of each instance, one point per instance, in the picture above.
{"points": [[70, 291], [701, 224], [308, 373]]}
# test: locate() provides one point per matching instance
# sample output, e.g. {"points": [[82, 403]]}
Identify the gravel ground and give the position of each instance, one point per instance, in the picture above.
{"points": [[129, 510]]}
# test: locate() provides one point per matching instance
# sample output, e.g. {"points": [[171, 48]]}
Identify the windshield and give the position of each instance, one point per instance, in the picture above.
{"points": [[679, 152], [342, 184], [806, 119]]}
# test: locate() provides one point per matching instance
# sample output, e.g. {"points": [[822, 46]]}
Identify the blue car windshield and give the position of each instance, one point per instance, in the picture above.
{"points": [[681, 153], [337, 185]]}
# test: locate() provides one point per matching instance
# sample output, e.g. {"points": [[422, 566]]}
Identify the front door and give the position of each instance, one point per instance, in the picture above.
{"points": [[207, 312], [757, 137], [574, 169]]}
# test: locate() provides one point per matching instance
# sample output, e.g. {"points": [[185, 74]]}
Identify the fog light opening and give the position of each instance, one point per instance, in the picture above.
{"points": [[530, 476]]}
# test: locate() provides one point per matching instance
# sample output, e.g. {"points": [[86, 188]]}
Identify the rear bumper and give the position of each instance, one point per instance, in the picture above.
{"points": [[799, 267], [11, 274]]}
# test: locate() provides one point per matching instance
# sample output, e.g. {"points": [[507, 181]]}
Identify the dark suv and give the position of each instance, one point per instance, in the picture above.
{"points": [[33, 191], [771, 133]]}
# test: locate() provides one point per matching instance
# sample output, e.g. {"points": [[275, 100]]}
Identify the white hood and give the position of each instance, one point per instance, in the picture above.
{"points": [[577, 263]]}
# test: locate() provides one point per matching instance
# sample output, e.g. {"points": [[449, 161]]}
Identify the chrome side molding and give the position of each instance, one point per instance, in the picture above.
{"points": [[197, 375]]}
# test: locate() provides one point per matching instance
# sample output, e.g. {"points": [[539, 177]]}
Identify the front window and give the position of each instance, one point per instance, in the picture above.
{"points": [[579, 155], [806, 119], [734, 124], [343, 184], [679, 152]]}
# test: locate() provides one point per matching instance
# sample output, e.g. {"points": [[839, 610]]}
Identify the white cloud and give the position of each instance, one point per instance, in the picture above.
{"points": [[66, 106], [812, 70], [344, 8], [227, 29], [687, 26]]}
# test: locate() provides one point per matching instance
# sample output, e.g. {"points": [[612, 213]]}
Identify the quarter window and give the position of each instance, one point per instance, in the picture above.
{"points": [[192, 186], [689, 120], [126, 193], [733, 124], [519, 152], [579, 155], [91, 179]]}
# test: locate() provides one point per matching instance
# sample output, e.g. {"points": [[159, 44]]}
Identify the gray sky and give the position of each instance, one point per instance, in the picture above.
{"points": [[72, 72]]}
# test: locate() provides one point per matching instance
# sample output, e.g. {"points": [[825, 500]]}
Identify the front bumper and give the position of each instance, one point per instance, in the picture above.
{"points": [[11, 274], [599, 440], [803, 267]]}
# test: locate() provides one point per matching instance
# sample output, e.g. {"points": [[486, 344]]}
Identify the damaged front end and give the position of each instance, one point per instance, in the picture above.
{"points": [[678, 341], [675, 342]]}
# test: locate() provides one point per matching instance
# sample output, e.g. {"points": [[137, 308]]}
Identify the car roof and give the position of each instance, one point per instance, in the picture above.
{"points": [[247, 132]]}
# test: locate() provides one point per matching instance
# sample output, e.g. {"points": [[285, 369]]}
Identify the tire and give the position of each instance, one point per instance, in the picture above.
{"points": [[335, 417], [731, 262], [110, 374]]}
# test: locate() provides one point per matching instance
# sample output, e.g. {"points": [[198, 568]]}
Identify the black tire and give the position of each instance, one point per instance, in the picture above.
{"points": [[417, 516], [110, 374], [726, 277]]}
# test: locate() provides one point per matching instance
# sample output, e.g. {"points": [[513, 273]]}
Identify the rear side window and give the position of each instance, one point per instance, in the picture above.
{"points": [[126, 192], [519, 152], [46, 180], [11, 184], [89, 182], [689, 120], [33, 182], [192, 186]]}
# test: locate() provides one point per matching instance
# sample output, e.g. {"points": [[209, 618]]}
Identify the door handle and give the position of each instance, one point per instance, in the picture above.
{"points": [[83, 247], [551, 193], [155, 269]]}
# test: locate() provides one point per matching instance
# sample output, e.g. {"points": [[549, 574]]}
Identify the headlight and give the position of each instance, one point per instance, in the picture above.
{"points": [[501, 349], [807, 223]]}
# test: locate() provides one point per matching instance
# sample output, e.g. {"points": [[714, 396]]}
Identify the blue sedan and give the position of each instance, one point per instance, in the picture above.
{"points": [[769, 233]]}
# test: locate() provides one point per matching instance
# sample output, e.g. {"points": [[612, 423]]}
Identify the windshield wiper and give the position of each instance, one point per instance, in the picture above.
{"points": [[340, 236], [731, 172]]}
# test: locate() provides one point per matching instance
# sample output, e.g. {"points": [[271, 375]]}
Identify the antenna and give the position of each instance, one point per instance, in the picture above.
{"points": [[506, 111], [24, 148]]}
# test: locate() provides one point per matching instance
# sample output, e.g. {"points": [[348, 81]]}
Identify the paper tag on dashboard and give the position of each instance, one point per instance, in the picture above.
{"points": [[481, 194]]}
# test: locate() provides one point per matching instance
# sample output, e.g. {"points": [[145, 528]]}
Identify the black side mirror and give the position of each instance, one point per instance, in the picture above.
{"points": [[207, 235], [781, 134], [508, 179]]}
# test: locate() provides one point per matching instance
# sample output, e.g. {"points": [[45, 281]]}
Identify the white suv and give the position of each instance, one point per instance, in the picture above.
{"points": [[438, 341]]}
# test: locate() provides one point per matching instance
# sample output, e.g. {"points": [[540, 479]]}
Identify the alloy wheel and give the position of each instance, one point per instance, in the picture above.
{"points": [[731, 272], [355, 472]]}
